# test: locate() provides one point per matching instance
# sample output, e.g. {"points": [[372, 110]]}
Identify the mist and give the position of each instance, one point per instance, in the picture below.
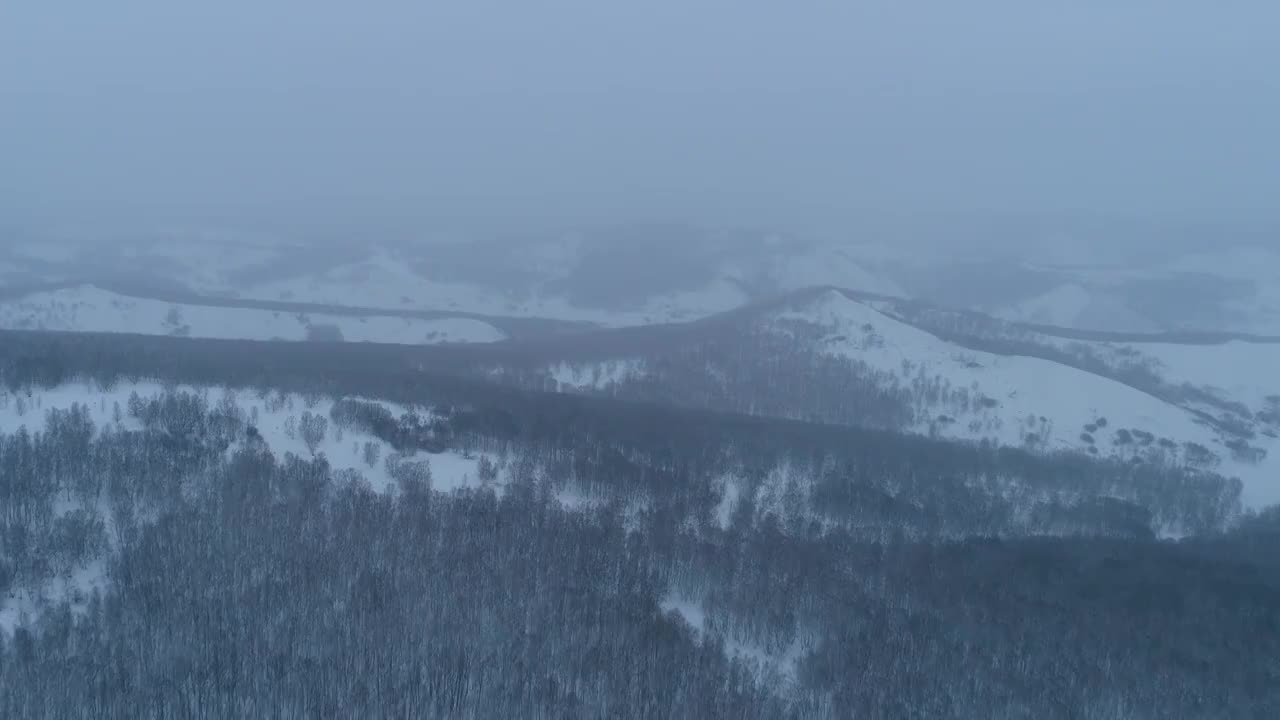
{"points": [[315, 114], [682, 358]]}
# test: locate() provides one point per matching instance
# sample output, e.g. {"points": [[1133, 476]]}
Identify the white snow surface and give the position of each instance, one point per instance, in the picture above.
{"points": [[692, 612], [343, 450], [1243, 371], [90, 309], [76, 585], [1025, 389], [593, 376]]}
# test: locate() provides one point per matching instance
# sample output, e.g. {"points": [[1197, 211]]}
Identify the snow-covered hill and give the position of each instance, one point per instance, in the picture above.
{"points": [[90, 309], [927, 373], [1018, 400]]}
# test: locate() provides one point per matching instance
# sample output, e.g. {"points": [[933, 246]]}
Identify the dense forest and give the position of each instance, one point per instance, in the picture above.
{"points": [[719, 564]]}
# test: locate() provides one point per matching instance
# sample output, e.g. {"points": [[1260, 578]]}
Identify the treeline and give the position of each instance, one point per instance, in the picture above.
{"points": [[755, 372], [239, 584]]}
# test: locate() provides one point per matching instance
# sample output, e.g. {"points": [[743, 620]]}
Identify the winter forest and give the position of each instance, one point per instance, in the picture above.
{"points": [[432, 546], [660, 360]]}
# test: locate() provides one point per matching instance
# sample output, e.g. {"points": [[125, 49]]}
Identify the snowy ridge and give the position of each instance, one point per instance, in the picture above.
{"points": [[91, 309]]}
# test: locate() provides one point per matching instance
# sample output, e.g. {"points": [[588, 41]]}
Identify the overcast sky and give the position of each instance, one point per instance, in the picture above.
{"points": [[737, 111]]}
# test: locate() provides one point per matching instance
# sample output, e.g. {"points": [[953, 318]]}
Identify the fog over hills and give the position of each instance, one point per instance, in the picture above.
{"points": [[1139, 341], [734, 359], [647, 273]]}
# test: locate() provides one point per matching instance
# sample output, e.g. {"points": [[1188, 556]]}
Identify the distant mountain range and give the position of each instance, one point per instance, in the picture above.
{"points": [[643, 274]]}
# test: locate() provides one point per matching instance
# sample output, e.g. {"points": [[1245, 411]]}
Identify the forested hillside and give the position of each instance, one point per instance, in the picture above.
{"points": [[265, 529]]}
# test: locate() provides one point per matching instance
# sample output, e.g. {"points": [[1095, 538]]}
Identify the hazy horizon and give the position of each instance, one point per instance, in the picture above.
{"points": [[403, 115]]}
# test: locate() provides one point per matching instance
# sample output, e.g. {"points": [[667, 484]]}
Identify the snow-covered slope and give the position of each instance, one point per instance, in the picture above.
{"points": [[90, 309], [1005, 390], [1028, 401], [277, 418], [1243, 371], [275, 415]]}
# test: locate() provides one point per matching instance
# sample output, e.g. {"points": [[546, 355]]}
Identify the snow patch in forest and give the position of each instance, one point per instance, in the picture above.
{"points": [[75, 586], [594, 376], [693, 613], [452, 470], [729, 492]]}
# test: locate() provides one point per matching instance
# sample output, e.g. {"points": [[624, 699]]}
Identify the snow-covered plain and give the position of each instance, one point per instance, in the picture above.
{"points": [[90, 309]]}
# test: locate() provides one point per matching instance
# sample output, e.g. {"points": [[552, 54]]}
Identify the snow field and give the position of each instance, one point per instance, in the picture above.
{"points": [[1021, 390]]}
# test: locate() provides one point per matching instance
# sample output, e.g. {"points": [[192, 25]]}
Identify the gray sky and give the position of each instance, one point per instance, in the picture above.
{"points": [[732, 111]]}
